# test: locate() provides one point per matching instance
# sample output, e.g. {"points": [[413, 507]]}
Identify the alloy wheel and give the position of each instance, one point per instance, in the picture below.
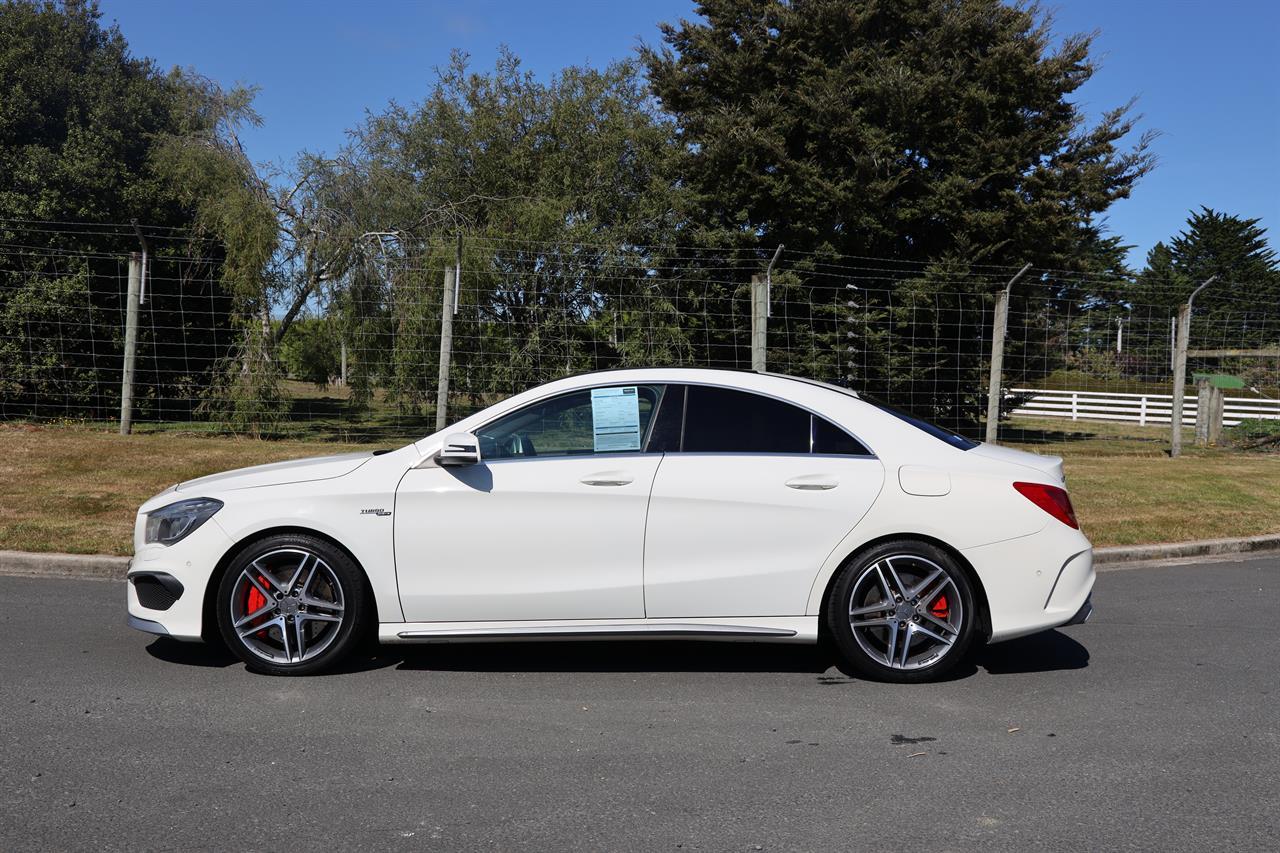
{"points": [[287, 606], [905, 611]]}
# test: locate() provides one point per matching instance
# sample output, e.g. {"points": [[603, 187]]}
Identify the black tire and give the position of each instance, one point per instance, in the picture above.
{"points": [[335, 589], [869, 648]]}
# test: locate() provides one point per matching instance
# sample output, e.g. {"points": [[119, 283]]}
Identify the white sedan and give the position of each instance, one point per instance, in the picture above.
{"points": [[627, 504]]}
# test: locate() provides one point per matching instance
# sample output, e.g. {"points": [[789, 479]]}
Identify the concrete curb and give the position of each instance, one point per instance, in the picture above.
{"points": [[1104, 558], [63, 565], [104, 566]]}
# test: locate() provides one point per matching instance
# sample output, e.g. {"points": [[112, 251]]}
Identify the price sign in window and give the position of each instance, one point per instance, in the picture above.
{"points": [[615, 419]]}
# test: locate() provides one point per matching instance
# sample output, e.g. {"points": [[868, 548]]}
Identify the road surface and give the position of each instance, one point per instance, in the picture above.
{"points": [[1155, 726]]}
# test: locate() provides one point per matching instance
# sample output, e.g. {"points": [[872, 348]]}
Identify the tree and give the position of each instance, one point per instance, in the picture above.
{"points": [[558, 189], [79, 121], [939, 132], [1230, 247], [896, 130], [1239, 310]]}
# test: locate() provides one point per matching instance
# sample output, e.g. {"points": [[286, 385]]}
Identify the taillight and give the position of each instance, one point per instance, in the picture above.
{"points": [[1052, 500]]}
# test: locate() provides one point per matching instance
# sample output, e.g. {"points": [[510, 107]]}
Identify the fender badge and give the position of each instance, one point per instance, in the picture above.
{"points": [[378, 511]]}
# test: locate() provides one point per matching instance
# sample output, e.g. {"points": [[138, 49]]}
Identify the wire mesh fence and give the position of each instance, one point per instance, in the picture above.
{"points": [[1083, 359]]}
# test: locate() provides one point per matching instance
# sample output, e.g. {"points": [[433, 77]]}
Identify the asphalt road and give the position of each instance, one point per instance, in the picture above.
{"points": [[1155, 726]]}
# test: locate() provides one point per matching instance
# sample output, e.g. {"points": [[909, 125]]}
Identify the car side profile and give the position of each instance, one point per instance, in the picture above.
{"points": [[629, 504]]}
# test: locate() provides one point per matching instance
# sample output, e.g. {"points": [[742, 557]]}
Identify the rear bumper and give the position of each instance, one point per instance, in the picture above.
{"points": [[1036, 582], [1083, 614]]}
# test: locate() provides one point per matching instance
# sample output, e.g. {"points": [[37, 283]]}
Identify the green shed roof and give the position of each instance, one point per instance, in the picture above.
{"points": [[1219, 380]]}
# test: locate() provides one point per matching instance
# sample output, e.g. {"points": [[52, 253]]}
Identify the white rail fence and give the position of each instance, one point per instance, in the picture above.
{"points": [[1142, 409]]}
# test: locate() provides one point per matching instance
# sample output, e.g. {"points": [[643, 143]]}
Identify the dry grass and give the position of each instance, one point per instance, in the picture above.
{"points": [[76, 489], [1210, 494]]}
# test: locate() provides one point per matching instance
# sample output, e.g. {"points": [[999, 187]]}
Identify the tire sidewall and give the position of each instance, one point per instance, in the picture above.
{"points": [[842, 633], [354, 600]]}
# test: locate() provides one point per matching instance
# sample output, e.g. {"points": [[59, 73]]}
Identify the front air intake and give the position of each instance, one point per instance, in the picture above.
{"points": [[156, 591]]}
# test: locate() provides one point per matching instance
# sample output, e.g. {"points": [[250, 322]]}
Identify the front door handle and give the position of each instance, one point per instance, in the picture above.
{"points": [[813, 483], [606, 478]]}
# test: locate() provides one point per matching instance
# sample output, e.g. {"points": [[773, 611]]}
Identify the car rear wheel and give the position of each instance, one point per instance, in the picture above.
{"points": [[291, 605], [903, 611]]}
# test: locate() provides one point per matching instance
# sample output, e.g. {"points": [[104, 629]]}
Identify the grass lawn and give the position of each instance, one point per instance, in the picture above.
{"points": [[76, 488]]}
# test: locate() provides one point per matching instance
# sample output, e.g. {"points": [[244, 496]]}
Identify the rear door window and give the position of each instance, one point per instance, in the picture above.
{"points": [[724, 420]]}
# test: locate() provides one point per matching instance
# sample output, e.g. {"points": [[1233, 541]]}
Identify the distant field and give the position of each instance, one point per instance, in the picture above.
{"points": [[75, 489]]}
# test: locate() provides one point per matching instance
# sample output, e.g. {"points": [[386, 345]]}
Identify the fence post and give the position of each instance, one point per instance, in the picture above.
{"points": [[1203, 400], [1179, 378], [1142, 411], [1180, 366], [759, 322], [130, 343], [998, 326], [1217, 406], [446, 350]]}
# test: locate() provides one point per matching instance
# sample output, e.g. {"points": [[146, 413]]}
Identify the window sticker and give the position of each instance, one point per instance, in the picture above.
{"points": [[615, 419]]}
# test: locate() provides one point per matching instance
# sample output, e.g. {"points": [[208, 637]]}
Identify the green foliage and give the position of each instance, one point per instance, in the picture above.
{"points": [[1230, 247], [202, 161], [915, 129], [1254, 431], [931, 131], [555, 184], [311, 351], [79, 120]]}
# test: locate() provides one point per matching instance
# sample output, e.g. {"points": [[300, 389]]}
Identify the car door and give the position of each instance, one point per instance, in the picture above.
{"points": [[745, 513], [549, 524]]}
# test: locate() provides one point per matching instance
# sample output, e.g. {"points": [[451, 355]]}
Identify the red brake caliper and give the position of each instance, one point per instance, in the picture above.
{"points": [[940, 608], [255, 600]]}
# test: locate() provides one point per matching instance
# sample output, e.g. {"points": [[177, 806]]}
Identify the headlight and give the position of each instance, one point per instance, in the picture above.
{"points": [[171, 523]]}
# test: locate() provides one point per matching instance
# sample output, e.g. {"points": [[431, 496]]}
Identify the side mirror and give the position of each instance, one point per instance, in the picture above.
{"points": [[461, 448]]}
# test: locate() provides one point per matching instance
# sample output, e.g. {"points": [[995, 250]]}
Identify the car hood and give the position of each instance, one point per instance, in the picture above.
{"points": [[1051, 465], [278, 473]]}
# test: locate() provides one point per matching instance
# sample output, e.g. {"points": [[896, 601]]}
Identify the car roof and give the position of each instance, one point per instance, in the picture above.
{"points": [[840, 389]]}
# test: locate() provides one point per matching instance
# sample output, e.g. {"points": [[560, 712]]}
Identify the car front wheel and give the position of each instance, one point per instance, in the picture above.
{"points": [[903, 611], [291, 605]]}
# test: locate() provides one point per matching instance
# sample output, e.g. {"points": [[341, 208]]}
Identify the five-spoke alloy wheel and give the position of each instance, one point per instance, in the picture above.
{"points": [[291, 604], [902, 611]]}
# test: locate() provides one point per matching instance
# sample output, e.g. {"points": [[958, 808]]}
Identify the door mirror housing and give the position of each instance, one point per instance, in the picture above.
{"points": [[460, 448]]}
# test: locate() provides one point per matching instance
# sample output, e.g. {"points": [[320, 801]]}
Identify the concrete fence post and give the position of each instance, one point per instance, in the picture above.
{"points": [[130, 343], [999, 325], [759, 322], [1179, 378], [1183, 326], [446, 350]]}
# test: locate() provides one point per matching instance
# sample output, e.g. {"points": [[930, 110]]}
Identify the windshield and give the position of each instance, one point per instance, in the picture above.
{"points": [[954, 439]]}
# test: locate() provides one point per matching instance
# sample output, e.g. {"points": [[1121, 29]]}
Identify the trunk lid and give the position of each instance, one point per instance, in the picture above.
{"points": [[1050, 465]]}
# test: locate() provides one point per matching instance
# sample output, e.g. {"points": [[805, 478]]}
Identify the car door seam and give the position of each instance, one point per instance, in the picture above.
{"points": [[644, 538]]}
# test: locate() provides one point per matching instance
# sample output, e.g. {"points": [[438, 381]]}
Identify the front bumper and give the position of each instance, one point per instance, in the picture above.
{"points": [[174, 580], [147, 626]]}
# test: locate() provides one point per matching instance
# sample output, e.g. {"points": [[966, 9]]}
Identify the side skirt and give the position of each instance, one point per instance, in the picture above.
{"points": [[793, 629]]}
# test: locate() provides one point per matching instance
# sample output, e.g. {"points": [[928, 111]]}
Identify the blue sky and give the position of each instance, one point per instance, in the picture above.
{"points": [[1206, 74]]}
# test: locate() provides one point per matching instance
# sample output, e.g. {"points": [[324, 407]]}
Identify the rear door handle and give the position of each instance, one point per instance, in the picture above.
{"points": [[813, 483], [606, 478]]}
